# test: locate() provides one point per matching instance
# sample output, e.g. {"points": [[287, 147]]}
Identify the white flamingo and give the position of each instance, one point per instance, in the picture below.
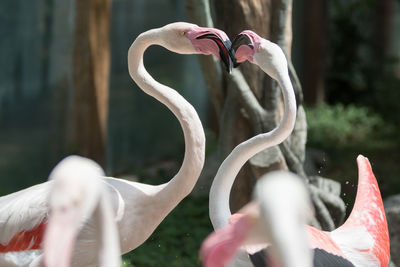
{"points": [[139, 207], [271, 59], [78, 193]]}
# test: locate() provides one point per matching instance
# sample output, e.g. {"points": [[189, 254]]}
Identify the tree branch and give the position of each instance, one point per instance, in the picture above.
{"points": [[335, 206], [293, 162], [248, 100], [322, 214], [200, 12]]}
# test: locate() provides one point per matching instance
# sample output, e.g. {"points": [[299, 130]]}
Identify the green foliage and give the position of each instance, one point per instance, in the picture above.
{"points": [[351, 49], [177, 240], [359, 71], [341, 125], [386, 96]]}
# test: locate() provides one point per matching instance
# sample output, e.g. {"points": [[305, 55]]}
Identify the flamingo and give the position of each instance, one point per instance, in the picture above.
{"points": [[363, 240], [78, 192], [271, 59], [139, 207]]}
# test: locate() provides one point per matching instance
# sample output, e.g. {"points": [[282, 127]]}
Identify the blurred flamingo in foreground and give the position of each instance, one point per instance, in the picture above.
{"points": [[139, 208], [277, 216], [78, 193], [363, 240]]}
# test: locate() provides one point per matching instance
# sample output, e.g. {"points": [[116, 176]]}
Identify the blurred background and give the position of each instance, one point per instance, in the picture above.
{"points": [[346, 54]]}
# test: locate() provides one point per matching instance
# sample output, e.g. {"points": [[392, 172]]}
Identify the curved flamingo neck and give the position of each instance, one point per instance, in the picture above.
{"points": [[183, 182], [230, 167]]}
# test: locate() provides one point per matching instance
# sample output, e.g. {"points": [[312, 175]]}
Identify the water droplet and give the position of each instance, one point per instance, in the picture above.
{"points": [[344, 194], [347, 182]]}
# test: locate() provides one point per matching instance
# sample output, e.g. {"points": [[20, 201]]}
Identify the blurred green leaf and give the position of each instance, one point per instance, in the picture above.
{"points": [[341, 125]]}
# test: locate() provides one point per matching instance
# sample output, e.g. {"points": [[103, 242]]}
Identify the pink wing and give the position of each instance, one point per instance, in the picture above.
{"points": [[368, 214], [363, 238], [23, 218]]}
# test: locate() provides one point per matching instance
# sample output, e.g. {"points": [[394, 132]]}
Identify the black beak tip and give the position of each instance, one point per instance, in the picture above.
{"points": [[226, 55], [229, 68], [228, 63]]}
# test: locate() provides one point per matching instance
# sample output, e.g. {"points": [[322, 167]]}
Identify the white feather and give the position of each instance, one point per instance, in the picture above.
{"points": [[18, 259], [23, 210], [356, 243]]}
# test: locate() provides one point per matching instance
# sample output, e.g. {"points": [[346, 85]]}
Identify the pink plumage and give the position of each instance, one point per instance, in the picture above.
{"points": [[24, 240]]}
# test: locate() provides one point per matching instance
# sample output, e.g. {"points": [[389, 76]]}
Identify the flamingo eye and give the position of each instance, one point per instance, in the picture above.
{"points": [[182, 33]]}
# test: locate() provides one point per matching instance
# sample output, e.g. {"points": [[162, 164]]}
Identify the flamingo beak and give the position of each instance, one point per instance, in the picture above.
{"points": [[59, 239], [224, 47], [243, 42]]}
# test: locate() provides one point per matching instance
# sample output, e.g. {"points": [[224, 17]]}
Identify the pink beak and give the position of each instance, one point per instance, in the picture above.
{"points": [[210, 41], [59, 239]]}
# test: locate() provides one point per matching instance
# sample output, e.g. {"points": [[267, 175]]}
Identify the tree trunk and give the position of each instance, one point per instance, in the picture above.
{"points": [[315, 26], [91, 78], [60, 80]]}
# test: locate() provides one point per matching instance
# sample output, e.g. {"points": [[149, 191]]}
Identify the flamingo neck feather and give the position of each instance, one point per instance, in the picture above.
{"points": [[110, 251], [285, 209], [183, 182], [230, 167]]}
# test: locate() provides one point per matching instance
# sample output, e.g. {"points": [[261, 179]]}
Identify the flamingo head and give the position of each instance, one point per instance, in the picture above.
{"points": [[285, 209], [73, 198], [267, 55], [245, 45], [187, 38]]}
